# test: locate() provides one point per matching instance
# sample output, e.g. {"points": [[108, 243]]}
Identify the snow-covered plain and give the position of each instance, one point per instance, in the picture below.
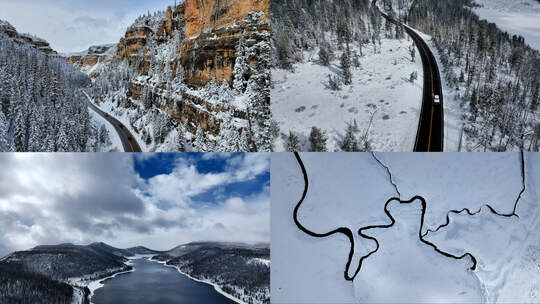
{"points": [[521, 17], [404, 269], [380, 87]]}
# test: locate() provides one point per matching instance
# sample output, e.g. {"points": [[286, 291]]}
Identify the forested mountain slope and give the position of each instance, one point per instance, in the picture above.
{"points": [[41, 104], [21, 287], [240, 270], [45, 274], [193, 77]]}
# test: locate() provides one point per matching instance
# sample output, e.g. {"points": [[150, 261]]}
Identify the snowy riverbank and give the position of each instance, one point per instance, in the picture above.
{"points": [[216, 287], [94, 285]]}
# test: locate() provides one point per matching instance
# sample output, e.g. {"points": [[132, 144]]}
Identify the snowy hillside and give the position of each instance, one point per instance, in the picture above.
{"points": [[240, 271], [517, 17], [64, 272], [42, 107], [406, 207]]}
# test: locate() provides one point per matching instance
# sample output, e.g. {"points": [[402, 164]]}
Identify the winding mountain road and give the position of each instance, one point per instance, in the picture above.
{"points": [[430, 133], [128, 141]]}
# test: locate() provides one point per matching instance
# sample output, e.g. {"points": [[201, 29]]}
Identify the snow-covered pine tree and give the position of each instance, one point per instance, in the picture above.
{"points": [[5, 145], [294, 143], [62, 140], [258, 52], [346, 66], [350, 143], [200, 140], [317, 140], [181, 138]]}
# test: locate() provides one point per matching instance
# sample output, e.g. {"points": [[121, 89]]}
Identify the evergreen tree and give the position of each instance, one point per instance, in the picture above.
{"points": [[346, 67], [5, 146], [200, 141], [294, 143], [317, 140], [350, 143]]}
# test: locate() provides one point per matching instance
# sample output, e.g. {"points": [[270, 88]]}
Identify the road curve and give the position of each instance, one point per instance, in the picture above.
{"points": [[128, 141], [430, 133]]}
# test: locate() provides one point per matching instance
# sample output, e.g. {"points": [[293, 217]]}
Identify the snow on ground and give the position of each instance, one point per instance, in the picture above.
{"points": [[381, 87], [116, 143], [78, 296], [507, 249], [109, 107], [456, 181], [308, 269], [406, 270], [519, 17], [259, 261]]}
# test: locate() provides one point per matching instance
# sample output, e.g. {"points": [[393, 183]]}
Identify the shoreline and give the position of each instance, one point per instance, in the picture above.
{"points": [[216, 287], [94, 285]]}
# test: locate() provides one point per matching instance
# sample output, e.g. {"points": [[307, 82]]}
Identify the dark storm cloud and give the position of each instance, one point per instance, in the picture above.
{"points": [[83, 198]]}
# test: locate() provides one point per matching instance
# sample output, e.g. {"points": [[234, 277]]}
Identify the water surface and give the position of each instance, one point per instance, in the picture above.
{"points": [[153, 283]]}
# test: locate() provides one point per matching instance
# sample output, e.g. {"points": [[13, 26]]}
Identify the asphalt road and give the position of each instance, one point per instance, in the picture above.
{"points": [[128, 141], [430, 133]]}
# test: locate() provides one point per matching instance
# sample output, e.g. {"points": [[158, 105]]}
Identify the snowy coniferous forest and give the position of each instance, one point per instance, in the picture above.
{"points": [[496, 75], [492, 77], [42, 105]]}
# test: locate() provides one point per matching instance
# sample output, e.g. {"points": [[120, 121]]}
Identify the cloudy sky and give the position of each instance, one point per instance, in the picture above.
{"points": [[156, 200], [74, 25]]}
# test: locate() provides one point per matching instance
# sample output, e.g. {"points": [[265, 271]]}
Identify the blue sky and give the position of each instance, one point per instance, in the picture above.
{"points": [[159, 200], [74, 25]]}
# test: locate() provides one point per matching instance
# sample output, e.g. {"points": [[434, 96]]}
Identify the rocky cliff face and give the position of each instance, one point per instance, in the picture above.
{"points": [[86, 61], [209, 15], [212, 34], [38, 43], [172, 55]]}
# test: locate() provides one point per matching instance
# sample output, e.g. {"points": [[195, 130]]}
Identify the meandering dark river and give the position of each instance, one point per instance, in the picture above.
{"points": [[153, 283]]}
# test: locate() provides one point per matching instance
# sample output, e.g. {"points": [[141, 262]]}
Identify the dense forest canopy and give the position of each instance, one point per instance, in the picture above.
{"points": [[42, 108]]}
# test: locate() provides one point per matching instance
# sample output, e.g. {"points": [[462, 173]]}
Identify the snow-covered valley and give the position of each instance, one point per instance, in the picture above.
{"points": [[411, 212]]}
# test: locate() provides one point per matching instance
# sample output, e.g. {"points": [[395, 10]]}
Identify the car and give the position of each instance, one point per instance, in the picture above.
{"points": [[436, 99]]}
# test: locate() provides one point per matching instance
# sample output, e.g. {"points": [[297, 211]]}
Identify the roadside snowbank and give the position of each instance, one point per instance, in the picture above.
{"points": [[116, 143]]}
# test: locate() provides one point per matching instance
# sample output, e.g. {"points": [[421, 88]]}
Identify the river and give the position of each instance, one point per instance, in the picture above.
{"points": [[153, 283]]}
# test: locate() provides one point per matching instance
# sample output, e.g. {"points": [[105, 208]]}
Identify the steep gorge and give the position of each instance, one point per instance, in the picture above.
{"points": [[181, 67]]}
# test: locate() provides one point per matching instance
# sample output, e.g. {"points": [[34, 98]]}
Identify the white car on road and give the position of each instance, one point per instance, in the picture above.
{"points": [[436, 99]]}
